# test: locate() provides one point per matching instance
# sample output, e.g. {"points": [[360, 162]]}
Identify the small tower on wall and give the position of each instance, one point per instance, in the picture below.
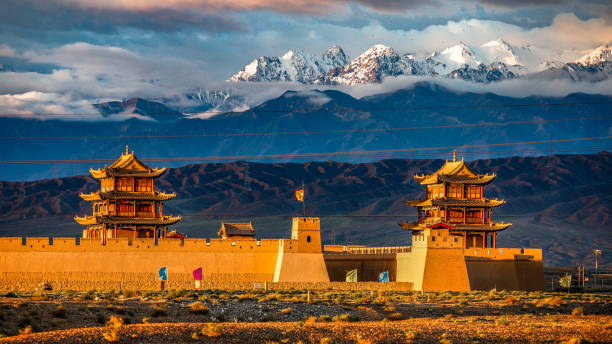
{"points": [[307, 231], [455, 206], [127, 205]]}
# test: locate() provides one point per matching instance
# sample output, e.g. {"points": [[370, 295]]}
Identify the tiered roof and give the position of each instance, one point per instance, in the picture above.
{"points": [[455, 202], [461, 227], [128, 165], [236, 229], [119, 220], [455, 172], [145, 196]]}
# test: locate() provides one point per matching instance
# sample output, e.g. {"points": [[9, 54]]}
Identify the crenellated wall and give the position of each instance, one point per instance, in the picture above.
{"points": [[433, 263], [30, 261]]}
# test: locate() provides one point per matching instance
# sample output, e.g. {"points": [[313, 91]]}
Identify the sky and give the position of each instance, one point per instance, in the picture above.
{"points": [[59, 56]]}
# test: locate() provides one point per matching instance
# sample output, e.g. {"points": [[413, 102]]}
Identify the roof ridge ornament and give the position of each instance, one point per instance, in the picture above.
{"points": [[127, 149], [454, 156]]}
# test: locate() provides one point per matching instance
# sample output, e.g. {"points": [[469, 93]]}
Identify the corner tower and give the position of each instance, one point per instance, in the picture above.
{"points": [[456, 203], [307, 231], [127, 205]]}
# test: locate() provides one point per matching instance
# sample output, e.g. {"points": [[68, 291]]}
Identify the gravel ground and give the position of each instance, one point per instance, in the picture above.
{"points": [[288, 317], [546, 329]]}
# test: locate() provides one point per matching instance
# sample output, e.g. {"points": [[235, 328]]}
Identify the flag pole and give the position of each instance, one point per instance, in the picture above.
{"points": [[304, 198]]}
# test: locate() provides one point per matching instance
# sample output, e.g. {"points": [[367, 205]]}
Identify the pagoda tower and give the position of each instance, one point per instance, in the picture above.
{"points": [[455, 203], [127, 205]]}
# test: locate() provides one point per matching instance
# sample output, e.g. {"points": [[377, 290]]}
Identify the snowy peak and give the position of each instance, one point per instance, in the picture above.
{"points": [[294, 65], [493, 61], [335, 56], [499, 51], [601, 54], [370, 67]]}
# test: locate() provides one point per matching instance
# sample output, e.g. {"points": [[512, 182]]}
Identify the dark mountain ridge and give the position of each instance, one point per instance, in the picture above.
{"points": [[329, 121], [560, 202]]}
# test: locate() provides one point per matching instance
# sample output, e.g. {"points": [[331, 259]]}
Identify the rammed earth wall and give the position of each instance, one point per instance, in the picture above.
{"points": [[148, 281], [135, 262]]}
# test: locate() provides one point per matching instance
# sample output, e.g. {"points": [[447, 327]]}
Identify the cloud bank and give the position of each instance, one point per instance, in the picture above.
{"points": [[85, 73]]}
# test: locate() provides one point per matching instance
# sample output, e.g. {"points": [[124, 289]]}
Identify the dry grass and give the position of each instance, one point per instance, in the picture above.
{"points": [[112, 335], [212, 331], [115, 321], [396, 316], [578, 311], [198, 308], [389, 309], [411, 336], [26, 330]]}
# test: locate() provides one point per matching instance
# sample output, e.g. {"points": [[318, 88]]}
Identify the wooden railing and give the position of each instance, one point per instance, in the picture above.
{"points": [[379, 250]]}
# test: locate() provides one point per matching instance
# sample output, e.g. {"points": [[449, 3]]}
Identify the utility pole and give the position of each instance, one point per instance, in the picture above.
{"points": [[597, 253]]}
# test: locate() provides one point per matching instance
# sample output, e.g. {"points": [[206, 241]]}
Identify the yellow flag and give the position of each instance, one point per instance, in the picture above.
{"points": [[299, 195], [351, 276]]}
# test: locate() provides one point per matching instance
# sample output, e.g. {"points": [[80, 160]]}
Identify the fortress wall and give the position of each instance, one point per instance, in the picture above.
{"points": [[300, 267], [411, 267], [90, 260], [368, 265], [530, 274], [445, 269], [148, 281], [505, 269]]}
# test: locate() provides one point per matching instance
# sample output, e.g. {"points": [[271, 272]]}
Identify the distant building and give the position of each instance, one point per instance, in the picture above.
{"points": [[127, 205], [236, 230], [455, 202]]}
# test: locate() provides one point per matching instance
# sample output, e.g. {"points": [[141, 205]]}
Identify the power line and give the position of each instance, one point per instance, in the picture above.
{"points": [[407, 108], [304, 155], [230, 215], [344, 131]]}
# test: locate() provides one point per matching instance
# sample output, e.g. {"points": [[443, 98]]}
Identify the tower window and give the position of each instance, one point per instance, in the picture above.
{"points": [[454, 190], [308, 238], [473, 191]]}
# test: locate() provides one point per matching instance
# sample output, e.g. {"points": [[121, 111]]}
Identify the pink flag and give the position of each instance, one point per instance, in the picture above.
{"points": [[197, 274]]}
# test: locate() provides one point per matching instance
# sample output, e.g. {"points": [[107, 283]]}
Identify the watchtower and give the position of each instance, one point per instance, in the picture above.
{"points": [[307, 231]]}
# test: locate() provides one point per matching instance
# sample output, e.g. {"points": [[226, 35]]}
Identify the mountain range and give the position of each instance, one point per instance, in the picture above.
{"points": [[560, 202], [321, 124], [493, 61]]}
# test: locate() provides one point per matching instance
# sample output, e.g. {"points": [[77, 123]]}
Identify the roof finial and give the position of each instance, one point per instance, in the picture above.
{"points": [[127, 149], [454, 156]]}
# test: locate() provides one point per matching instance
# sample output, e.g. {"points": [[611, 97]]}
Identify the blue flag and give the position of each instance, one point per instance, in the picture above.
{"points": [[383, 276], [163, 274]]}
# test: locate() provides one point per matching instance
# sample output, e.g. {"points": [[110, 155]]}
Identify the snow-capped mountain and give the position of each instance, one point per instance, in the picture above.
{"points": [[601, 54], [592, 67], [292, 66], [372, 66], [493, 61]]}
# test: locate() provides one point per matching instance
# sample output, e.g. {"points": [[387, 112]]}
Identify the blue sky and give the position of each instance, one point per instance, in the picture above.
{"points": [[77, 51]]}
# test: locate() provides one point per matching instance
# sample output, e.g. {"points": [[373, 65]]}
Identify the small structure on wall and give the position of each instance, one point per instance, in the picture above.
{"points": [[236, 230], [455, 202], [127, 205]]}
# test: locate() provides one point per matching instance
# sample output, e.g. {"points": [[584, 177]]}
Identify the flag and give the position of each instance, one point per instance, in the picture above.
{"points": [[163, 274], [197, 274], [566, 281], [299, 195], [351, 276], [383, 276]]}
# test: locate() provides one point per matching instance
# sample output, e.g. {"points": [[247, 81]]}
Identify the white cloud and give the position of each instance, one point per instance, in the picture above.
{"points": [[7, 51], [101, 72], [32, 103], [93, 73]]}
